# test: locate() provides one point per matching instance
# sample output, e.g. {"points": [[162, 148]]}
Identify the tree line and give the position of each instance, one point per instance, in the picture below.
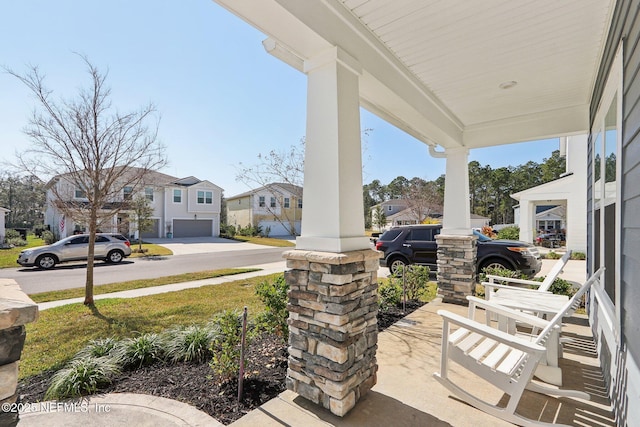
{"points": [[489, 189]]}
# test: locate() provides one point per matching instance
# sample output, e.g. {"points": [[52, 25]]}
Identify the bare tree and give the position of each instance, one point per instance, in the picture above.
{"points": [[281, 173], [142, 212], [422, 198], [90, 150]]}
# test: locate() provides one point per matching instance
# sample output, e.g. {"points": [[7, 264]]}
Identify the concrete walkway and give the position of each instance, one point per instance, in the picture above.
{"points": [[405, 394]]}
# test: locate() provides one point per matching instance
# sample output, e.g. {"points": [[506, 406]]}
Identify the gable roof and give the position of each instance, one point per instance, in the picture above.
{"points": [[283, 187]]}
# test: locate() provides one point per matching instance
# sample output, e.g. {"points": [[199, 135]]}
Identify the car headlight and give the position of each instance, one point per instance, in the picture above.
{"points": [[523, 250], [27, 252]]}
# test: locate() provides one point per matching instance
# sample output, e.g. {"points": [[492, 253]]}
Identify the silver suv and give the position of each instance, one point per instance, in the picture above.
{"points": [[109, 247]]}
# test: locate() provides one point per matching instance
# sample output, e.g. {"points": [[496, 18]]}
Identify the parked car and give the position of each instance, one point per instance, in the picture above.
{"points": [[551, 240], [110, 247], [416, 244]]}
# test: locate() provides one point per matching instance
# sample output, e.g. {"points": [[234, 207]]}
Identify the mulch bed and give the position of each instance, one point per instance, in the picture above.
{"points": [[197, 384]]}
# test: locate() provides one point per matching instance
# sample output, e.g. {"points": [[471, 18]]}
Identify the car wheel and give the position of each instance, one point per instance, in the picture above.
{"points": [[46, 261], [114, 257], [496, 263], [396, 264]]}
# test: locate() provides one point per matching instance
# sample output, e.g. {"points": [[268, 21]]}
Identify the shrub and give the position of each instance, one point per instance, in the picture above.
{"points": [[389, 295], [100, 348], [188, 344], [83, 375], [578, 255], [48, 237], [12, 234], [559, 286], [225, 344], [16, 241], [227, 230], [415, 282], [274, 296], [509, 233], [553, 255], [143, 350]]}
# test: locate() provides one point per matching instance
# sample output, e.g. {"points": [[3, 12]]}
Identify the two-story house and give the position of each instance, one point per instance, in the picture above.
{"points": [[276, 208], [3, 212], [182, 207]]}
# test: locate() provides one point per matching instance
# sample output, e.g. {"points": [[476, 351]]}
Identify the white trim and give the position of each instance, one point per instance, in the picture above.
{"points": [[613, 87]]}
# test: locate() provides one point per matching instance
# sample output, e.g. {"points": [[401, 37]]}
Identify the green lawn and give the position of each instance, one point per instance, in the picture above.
{"points": [[8, 257], [62, 331], [137, 284]]}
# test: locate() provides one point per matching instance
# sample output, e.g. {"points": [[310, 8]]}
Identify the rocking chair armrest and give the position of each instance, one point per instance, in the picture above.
{"points": [[514, 280], [510, 313], [489, 332], [490, 286]]}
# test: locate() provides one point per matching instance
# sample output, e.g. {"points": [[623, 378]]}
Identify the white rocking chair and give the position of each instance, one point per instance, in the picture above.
{"points": [[504, 360]]}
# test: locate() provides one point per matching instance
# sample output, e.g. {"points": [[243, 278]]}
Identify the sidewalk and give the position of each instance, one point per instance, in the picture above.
{"points": [[265, 269]]}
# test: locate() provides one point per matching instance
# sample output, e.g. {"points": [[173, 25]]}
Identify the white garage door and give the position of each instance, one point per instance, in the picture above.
{"points": [[154, 230], [277, 229], [192, 227]]}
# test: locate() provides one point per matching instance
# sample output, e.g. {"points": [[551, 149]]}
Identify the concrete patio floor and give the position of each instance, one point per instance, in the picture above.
{"points": [[407, 395]]}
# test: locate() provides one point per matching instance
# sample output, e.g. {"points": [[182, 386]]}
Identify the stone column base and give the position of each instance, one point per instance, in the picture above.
{"points": [[456, 267], [16, 310], [333, 331]]}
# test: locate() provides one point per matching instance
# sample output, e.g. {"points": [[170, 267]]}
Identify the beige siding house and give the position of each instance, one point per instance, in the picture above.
{"points": [[275, 208]]}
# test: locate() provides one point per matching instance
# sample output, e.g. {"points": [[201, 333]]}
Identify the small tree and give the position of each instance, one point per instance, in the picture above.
{"points": [[379, 218], [142, 212], [92, 151]]}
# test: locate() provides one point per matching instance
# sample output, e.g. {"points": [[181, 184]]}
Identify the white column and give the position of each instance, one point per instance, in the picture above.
{"points": [[332, 216], [456, 216], [527, 220]]}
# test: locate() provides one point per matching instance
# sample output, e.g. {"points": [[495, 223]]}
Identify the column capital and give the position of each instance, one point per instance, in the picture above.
{"points": [[334, 54]]}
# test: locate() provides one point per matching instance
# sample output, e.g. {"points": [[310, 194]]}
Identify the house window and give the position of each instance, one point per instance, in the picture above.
{"points": [[261, 202], [177, 196], [273, 202], [205, 197], [148, 194], [300, 203], [80, 193], [605, 216], [127, 192], [286, 203]]}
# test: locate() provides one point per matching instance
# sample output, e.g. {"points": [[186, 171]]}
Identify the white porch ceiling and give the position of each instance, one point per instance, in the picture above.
{"points": [[434, 67]]}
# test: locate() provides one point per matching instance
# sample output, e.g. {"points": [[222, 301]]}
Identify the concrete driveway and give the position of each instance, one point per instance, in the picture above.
{"points": [[199, 245]]}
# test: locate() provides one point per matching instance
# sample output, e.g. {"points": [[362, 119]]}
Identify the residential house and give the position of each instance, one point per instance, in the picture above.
{"points": [[182, 207], [275, 208], [562, 192], [460, 75], [405, 212], [3, 232]]}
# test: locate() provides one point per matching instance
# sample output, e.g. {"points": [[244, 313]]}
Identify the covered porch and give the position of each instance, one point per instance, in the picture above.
{"points": [[407, 395], [456, 76]]}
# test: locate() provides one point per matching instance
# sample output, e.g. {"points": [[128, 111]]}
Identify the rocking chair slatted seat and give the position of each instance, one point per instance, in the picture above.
{"points": [[503, 359]]}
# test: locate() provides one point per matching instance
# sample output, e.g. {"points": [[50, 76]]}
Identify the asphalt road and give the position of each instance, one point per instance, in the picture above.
{"points": [[66, 276]]}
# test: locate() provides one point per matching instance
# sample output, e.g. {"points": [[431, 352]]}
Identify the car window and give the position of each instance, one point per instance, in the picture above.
{"points": [[119, 237], [425, 234], [390, 234], [101, 239], [78, 240]]}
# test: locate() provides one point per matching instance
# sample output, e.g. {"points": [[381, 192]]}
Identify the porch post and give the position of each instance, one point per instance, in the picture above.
{"points": [[457, 250], [333, 272], [527, 220]]}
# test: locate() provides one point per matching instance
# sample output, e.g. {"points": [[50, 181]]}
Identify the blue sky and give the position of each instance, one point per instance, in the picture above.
{"points": [[221, 97]]}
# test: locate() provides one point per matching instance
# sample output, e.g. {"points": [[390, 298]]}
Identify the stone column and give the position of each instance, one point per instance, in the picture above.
{"points": [[457, 251], [16, 310], [333, 331], [456, 267]]}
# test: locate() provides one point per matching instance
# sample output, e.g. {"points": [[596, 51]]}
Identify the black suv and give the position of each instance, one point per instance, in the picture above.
{"points": [[416, 244]]}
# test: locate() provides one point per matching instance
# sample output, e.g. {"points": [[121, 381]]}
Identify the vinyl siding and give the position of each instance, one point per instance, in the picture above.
{"points": [[625, 26]]}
